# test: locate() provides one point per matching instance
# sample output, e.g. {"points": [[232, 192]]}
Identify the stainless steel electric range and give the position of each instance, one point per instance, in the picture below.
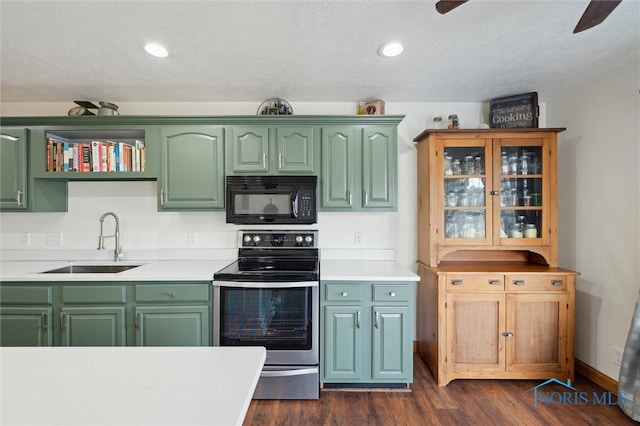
{"points": [[270, 297]]}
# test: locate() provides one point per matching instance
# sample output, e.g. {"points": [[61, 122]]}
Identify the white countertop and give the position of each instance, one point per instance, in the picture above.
{"points": [[196, 270], [128, 385], [365, 270]]}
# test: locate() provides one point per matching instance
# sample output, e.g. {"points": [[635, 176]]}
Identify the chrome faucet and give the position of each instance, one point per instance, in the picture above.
{"points": [[117, 253]]}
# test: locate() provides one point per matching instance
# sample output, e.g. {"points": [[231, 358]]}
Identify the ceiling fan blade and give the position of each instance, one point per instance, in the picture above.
{"points": [[596, 12], [444, 6]]}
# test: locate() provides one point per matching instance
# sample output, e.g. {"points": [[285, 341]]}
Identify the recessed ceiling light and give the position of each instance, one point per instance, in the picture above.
{"points": [[157, 50], [388, 50]]}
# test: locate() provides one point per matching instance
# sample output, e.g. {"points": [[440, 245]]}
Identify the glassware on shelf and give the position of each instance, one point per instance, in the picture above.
{"points": [[457, 167], [504, 163], [530, 231], [517, 228], [526, 196], [523, 166], [437, 122], [454, 123], [513, 165], [478, 166], [448, 165], [468, 168]]}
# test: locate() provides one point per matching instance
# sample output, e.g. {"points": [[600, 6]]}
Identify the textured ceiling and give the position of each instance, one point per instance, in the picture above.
{"points": [[314, 50]]}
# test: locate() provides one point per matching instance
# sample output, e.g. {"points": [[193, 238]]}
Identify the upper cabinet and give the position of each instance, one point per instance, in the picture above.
{"points": [[255, 149], [354, 156], [192, 168], [13, 169], [487, 190], [359, 168]]}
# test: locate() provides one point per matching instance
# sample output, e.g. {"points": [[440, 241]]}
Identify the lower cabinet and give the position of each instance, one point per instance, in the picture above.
{"points": [[173, 314], [496, 324], [92, 315], [366, 332], [26, 315], [105, 314]]}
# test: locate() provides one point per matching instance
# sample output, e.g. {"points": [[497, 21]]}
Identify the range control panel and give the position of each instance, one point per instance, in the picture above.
{"points": [[274, 239]]}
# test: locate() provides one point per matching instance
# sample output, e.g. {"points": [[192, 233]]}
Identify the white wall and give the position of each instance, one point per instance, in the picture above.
{"points": [[599, 212], [145, 228]]}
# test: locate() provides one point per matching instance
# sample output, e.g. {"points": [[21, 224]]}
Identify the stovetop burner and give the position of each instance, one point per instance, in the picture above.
{"points": [[273, 256]]}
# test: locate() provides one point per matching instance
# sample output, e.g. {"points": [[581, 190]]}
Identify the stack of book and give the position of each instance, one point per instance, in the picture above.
{"points": [[95, 156]]}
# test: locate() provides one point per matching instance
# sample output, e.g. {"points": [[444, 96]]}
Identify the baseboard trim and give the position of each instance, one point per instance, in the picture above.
{"points": [[596, 376]]}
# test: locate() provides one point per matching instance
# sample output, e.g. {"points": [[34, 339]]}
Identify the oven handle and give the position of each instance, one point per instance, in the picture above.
{"points": [[262, 284], [286, 373]]}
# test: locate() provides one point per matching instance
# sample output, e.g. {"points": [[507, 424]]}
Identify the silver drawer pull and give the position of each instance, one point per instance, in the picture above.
{"points": [[494, 282], [169, 293], [456, 282], [392, 294], [518, 282], [556, 282], [344, 294]]}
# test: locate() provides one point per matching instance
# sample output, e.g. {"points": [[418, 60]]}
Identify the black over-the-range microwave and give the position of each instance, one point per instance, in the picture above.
{"points": [[272, 199]]}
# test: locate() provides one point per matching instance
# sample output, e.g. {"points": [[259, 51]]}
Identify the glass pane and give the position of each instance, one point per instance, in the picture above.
{"points": [[272, 317], [464, 223], [464, 161], [520, 223], [248, 203], [464, 192], [520, 191]]}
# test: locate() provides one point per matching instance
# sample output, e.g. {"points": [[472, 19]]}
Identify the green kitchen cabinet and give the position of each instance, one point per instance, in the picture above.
{"points": [[92, 326], [255, 149], [192, 168], [172, 314], [92, 314], [342, 343], [359, 168], [366, 332], [26, 315], [13, 169]]}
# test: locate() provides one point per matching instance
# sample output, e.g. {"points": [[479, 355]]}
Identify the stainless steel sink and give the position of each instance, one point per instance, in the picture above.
{"points": [[90, 269]]}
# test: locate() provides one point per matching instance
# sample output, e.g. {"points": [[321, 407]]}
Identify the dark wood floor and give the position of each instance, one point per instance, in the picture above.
{"points": [[462, 402]]}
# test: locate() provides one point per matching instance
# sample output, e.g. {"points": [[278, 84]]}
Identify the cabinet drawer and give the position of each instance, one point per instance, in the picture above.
{"points": [[391, 293], [343, 292], [173, 292], [94, 294], [478, 282], [23, 295], [536, 282]]}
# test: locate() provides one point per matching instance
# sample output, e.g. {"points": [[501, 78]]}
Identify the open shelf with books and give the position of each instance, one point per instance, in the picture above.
{"points": [[88, 154]]}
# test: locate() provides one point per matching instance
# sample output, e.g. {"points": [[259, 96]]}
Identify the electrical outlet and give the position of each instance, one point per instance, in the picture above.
{"points": [[25, 238], [358, 238], [617, 355], [54, 239], [192, 238]]}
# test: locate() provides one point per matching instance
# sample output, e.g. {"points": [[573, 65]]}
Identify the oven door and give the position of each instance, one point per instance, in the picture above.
{"points": [[281, 316]]}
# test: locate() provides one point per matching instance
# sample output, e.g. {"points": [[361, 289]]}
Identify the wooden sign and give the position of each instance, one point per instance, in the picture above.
{"points": [[515, 111]]}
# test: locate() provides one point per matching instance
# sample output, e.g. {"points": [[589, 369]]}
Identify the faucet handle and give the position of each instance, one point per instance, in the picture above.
{"points": [[101, 243]]}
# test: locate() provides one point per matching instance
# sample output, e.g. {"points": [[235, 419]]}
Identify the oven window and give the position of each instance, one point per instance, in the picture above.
{"points": [[260, 204], [276, 318]]}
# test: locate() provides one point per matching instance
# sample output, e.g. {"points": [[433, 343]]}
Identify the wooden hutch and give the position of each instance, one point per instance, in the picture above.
{"points": [[492, 302]]}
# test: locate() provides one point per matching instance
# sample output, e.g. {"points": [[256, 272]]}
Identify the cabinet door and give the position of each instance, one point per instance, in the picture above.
{"points": [[26, 326], [537, 327], [249, 149], [296, 150], [172, 326], [338, 168], [392, 344], [525, 197], [192, 168], [475, 323], [93, 326], [13, 169], [464, 192], [379, 167], [342, 353]]}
